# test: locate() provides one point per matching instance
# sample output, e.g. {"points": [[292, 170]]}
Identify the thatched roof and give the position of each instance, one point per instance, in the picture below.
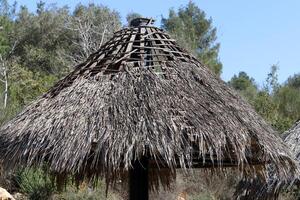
{"points": [[140, 95], [251, 189], [292, 138], [260, 188]]}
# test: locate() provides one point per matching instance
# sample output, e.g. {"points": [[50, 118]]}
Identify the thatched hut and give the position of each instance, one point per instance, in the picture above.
{"points": [[252, 189], [145, 105]]}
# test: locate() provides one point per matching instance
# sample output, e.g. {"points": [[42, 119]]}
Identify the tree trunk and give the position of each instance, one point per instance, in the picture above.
{"points": [[3, 73], [5, 88]]}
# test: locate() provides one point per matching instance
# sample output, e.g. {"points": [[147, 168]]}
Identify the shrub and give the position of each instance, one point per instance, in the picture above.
{"points": [[35, 182]]}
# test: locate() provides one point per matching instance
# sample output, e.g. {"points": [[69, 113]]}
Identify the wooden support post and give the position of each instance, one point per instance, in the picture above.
{"points": [[61, 182], [138, 180]]}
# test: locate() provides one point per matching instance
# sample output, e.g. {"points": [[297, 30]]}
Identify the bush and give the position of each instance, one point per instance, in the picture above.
{"points": [[35, 182]]}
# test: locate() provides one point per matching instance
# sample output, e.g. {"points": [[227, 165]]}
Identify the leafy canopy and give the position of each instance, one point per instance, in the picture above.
{"points": [[195, 32]]}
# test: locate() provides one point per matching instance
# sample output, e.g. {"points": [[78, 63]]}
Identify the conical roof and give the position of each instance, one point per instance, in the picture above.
{"points": [[140, 95]]}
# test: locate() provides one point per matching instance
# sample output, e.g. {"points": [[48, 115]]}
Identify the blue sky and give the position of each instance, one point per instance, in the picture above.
{"points": [[253, 34]]}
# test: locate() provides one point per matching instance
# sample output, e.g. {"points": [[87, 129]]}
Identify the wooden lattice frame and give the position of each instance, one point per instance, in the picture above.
{"points": [[138, 46]]}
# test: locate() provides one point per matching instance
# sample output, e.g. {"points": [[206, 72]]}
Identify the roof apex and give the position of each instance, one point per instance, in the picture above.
{"points": [[141, 21]]}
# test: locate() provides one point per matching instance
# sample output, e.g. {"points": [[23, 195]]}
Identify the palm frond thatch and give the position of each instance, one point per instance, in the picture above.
{"points": [[292, 138], [257, 188], [141, 95]]}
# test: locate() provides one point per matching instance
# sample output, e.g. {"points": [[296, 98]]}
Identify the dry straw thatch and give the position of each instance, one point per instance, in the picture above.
{"points": [[141, 95], [252, 189], [292, 139]]}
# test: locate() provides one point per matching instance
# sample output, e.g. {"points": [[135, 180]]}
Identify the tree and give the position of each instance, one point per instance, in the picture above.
{"points": [[294, 81], [242, 81], [132, 15], [287, 96], [40, 39], [6, 48], [272, 79], [4, 8], [195, 32], [27, 67], [245, 85], [44, 38], [4, 69], [278, 104], [6, 25], [4, 79], [288, 100], [90, 27], [265, 106], [40, 7]]}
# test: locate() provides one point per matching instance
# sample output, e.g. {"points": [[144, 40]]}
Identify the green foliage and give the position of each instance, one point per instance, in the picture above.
{"points": [[41, 38], [272, 80], [242, 81], [265, 106], [245, 85], [131, 16], [292, 96], [288, 101], [294, 81], [277, 104], [25, 86], [6, 25], [194, 31], [35, 183], [45, 41], [282, 106]]}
